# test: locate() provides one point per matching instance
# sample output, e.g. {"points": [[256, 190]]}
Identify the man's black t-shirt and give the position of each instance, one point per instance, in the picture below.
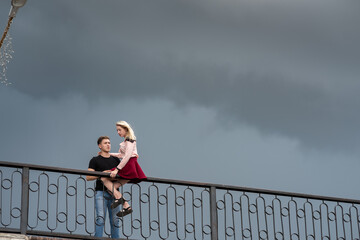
{"points": [[100, 163]]}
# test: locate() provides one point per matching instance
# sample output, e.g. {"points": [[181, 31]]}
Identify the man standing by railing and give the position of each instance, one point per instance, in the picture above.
{"points": [[103, 163]]}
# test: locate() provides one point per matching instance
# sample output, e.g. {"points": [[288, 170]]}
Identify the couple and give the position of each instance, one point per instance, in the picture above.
{"points": [[107, 194]]}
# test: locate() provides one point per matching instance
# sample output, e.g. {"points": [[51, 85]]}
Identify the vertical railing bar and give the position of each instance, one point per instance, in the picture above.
{"points": [[233, 217], [274, 217], [168, 213], [321, 221], [305, 219], [281, 218], [193, 213], [336, 221], [257, 215], [226, 215], [357, 221], [58, 201], [132, 193], [24, 200], [241, 217], [47, 202], [176, 215], [350, 222], [184, 197], [327, 219], [213, 214], [289, 218], [297, 220], [158, 206], [202, 214], [312, 218], [249, 217], [343, 225], [265, 219]]}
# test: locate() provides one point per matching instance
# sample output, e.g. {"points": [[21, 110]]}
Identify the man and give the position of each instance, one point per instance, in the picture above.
{"points": [[103, 199]]}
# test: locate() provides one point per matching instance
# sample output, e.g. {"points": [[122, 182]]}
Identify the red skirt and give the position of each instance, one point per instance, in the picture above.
{"points": [[132, 171]]}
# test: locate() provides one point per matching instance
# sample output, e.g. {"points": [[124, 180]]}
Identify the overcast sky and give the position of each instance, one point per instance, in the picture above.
{"points": [[253, 93]]}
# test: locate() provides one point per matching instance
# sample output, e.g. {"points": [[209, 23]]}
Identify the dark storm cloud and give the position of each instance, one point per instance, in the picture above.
{"points": [[283, 67]]}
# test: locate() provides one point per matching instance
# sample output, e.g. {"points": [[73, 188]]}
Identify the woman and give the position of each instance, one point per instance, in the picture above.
{"points": [[128, 169]]}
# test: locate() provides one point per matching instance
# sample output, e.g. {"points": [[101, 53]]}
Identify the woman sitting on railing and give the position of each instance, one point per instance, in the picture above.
{"points": [[129, 170]]}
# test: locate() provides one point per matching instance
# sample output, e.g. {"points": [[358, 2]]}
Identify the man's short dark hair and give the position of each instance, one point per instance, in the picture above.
{"points": [[100, 139]]}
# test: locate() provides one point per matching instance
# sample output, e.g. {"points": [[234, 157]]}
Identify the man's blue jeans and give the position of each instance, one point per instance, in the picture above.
{"points": [[103, 201]]}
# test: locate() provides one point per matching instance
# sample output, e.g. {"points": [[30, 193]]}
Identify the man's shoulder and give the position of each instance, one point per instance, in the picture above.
{"points": [[116, 158], [95, 158], [99, 157]]}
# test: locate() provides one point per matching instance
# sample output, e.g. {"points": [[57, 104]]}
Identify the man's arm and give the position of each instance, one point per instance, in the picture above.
{"points": [[91, 178]]}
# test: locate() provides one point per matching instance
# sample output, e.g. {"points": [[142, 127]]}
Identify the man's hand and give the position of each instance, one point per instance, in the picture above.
{"points": [[91, 178]]}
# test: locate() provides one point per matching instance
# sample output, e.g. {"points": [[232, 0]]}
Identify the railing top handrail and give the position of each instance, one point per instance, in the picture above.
{"points": [[186, 183]]}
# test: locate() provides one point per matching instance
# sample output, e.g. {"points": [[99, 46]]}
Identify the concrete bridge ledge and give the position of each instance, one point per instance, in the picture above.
{"points": [[10, 236]]}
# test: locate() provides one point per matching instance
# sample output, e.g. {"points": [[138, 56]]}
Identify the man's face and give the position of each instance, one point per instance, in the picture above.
{"points": [[105, 145]]}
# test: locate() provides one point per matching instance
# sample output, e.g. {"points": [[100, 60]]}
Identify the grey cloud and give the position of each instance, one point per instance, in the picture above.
{"points": [[288, 68]]}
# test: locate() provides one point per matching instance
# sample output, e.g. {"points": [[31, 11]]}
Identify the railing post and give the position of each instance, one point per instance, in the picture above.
{"points": [[213, 214], [24, 200]]}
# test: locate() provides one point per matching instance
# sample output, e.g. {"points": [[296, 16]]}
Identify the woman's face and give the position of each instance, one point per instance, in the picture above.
{"points": [[121, 131]]}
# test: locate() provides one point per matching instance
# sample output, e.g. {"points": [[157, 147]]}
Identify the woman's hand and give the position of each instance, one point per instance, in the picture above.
{"points": [[113, 173]]}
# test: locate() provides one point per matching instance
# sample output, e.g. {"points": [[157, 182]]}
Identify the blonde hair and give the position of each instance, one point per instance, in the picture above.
{"points": [[130, 132]]}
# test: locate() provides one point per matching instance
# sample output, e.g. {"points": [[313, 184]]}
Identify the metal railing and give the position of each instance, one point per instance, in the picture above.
{"points": [[58, 202]]}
